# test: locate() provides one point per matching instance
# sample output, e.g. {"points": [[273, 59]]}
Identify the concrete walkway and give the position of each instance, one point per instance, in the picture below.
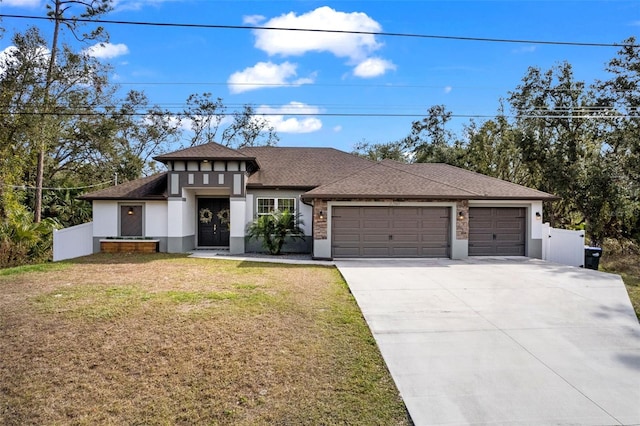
{"points": [[503, 341]]}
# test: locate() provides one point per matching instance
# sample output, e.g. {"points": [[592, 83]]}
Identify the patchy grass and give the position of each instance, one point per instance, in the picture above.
{"points": [[161, 339], [628, 266]]}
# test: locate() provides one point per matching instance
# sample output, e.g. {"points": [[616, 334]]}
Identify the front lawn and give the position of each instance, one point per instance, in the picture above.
{"points": [[161, 339]]}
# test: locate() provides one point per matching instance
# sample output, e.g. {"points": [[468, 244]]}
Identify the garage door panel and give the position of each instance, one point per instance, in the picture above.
{"points": [[405, 224], [348, 238], [390, 231], [375, 238], [375, 252], [498, 231], [343, 223], [406, 238], [404, 252]]}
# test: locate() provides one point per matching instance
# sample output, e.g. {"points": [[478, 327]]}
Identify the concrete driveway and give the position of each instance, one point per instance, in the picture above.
{"points": [[503, 341]]}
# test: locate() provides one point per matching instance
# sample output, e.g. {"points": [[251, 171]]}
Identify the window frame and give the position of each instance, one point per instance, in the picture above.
{"points": [[276, 205]]}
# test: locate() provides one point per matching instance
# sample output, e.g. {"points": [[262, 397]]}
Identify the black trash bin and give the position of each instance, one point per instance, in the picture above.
{"points": [[592, 257]]}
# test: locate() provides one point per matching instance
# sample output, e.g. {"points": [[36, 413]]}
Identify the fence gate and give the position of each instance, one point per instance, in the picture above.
{"points": [[562, 246]]}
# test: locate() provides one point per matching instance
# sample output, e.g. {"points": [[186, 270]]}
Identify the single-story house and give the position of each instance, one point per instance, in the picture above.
{"points": [[349, 206]]}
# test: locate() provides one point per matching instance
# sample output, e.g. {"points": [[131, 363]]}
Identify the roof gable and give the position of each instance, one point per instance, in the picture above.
{"points": [[208, 151]]}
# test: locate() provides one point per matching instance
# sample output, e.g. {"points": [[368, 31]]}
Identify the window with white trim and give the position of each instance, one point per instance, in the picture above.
{"points": [[268, 205]]}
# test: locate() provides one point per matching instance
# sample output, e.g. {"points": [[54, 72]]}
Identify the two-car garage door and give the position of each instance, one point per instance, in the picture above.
{"points": [[390, 231], [373, 231]]}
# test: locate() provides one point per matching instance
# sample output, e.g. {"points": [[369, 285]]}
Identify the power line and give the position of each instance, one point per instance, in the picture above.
{"points": [[370, 115], [317, 30], [61, 188]]}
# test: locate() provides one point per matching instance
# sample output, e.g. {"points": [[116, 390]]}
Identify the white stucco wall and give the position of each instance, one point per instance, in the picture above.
{"points": [[175, 212], [105, 218], [189, 213], [237, 211], [156, 219]]}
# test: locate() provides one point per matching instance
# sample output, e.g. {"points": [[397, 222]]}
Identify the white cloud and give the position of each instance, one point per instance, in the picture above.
{"points": [[373, 67], [266, 73], [252, 19], [120, 5], [11, 57], [448, 89], [107, 50], [353, 46], [276, 118], [21, 3], [337, 129]]}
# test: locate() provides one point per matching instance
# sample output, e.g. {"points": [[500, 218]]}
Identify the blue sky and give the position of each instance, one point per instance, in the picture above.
{"points": [[333, 74]]}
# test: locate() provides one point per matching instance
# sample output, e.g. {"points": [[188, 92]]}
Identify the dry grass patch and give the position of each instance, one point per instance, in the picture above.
{"points": [[116, 339], [628, 266]]}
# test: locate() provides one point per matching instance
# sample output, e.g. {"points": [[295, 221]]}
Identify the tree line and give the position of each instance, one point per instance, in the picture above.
{"points": [[64, 127], [554, 133]]}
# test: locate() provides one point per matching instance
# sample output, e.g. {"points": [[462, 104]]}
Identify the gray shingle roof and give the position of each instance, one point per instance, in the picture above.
{"points": [[330, 173], [208, 151], [390, 179], [301, 167], [148, 188]]}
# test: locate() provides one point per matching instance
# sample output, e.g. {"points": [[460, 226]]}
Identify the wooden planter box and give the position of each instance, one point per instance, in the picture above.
{"points": [[129, 246]]}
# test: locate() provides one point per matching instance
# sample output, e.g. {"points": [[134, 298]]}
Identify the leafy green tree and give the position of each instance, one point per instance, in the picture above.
{"points": [[61, 13], [431, 142], [207, 116], [274, 228], [552, 110], [381, 151]]}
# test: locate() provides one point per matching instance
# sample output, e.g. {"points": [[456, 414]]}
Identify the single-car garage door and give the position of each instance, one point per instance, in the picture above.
{"points": [[497, 231], [390, 231]]}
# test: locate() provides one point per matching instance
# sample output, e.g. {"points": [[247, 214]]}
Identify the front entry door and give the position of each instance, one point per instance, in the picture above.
{"points": [[212, 231]]}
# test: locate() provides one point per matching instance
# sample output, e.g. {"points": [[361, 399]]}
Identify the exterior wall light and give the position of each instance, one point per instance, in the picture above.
{"points": [[321, 214], [130, 211], [460, 215], [538, 216]]}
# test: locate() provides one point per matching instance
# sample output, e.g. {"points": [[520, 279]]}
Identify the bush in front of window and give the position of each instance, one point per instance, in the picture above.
{"points": [[273, 228]]}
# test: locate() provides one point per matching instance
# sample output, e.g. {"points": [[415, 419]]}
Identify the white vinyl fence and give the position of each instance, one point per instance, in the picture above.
{"points": [[73, 242], [562, 246]]}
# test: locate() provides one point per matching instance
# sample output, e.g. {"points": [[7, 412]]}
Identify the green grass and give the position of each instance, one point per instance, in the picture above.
{"points": [[165, 339], [41, 267], [628, 267]]}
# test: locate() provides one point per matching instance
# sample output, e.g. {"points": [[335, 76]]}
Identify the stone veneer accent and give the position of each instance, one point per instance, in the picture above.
{"points": [[462, 226], [320, 225]]}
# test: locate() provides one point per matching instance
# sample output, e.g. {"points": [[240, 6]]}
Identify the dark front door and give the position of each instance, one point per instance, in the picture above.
{"points": [[212, 230]]}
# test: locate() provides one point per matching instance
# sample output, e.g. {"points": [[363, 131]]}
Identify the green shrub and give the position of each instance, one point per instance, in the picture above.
{"points": [[22, 241], [273, 228]]}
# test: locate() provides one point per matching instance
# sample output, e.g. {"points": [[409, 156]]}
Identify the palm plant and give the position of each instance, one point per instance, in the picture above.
{"points": [[273, 229]]}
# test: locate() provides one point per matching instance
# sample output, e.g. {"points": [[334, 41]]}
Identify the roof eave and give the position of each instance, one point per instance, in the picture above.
{"points": [[427, 196]]}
